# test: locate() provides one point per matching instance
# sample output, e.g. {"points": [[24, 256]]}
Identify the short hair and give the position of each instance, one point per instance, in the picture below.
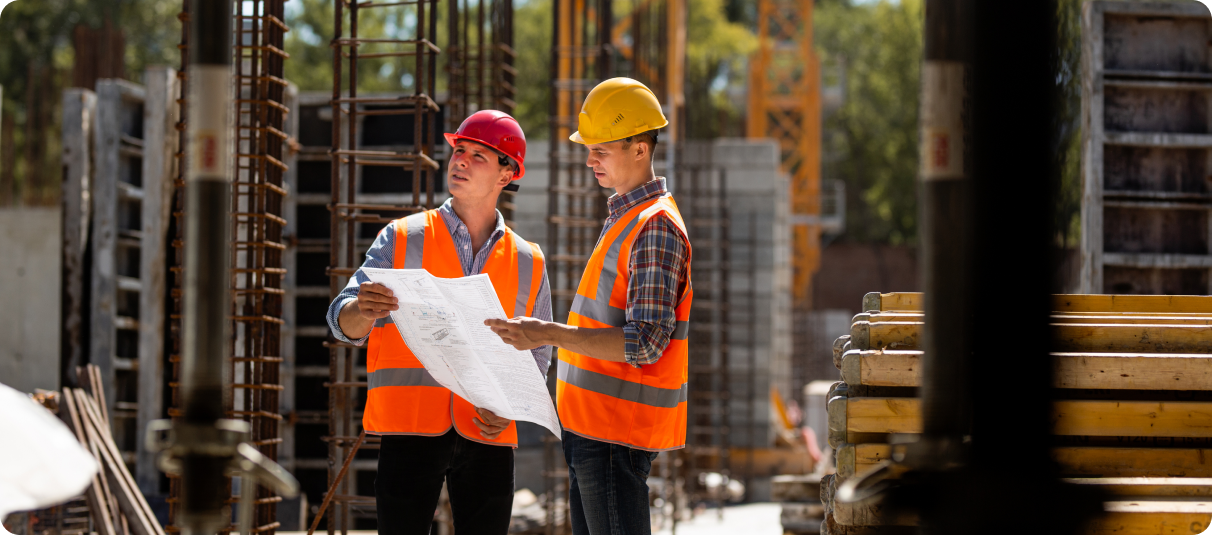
{"points": [[649, 137]]}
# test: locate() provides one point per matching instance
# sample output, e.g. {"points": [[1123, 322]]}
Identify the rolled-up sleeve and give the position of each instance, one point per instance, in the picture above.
{"points": [[659, 267], [380, 255]]}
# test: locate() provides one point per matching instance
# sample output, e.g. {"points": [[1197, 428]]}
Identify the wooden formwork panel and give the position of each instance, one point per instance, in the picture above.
{"points": [[1141, 170], [1146, 87]]}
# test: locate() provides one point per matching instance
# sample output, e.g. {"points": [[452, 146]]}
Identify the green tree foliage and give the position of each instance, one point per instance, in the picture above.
{"points": [[874, 52]]}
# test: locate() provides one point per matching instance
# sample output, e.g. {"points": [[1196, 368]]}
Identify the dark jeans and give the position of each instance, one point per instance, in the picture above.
{"points": [[479, 480], [608, 487]]}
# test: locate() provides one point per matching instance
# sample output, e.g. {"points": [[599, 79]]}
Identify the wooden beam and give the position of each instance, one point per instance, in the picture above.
{"points": [[1111, 371], [1151, 517], [1132, 338], [889, 302], [887, 335], [1137, 487], [881, 415], [1191, 419], [96, 495], [133, 504], [1132, 371], [1145, 464], [1131, 303], [1134, 319]]}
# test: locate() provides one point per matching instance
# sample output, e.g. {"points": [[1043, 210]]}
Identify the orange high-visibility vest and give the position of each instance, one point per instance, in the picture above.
{"points": [[615, 402], [403, 399]]}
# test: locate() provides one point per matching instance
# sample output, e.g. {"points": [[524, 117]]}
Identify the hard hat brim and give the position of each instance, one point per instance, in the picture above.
{"points": [[452, 139]]}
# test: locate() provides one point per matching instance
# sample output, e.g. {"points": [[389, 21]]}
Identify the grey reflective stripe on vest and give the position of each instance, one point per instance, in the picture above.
{"points": [[599, 309], [385, 321], [681, 331], [400, 377], [667, 398], [525, 273], [414, 254]]}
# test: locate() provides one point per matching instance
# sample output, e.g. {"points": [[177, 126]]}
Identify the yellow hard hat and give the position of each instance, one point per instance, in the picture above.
{"points": [[617, 108]]}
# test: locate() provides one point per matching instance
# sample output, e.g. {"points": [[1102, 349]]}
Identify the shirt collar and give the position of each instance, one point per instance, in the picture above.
{"points": [[619, 203], [453, 220]]}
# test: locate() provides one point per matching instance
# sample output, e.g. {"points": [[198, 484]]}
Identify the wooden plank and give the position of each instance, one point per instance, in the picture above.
{"points": [[79, 110], [1134, 462], [1127, 371], [1138, 487], [1132, 338], [882, 368], [1151, 517], [1111, 371], [1192, 419], [883, 415], [95, 495], [1186, 464], [160, 142], [1125, 319], [886, 335], [1090, 277], [134, 506], [875, 301], [1132, 418], [1131, 303]]}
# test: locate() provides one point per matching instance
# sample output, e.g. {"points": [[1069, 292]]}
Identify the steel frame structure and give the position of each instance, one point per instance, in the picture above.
{"points": [[785, 104], [349, 216], [256, 243]]}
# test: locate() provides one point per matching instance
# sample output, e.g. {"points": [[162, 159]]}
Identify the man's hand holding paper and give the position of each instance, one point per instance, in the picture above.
{"points": [[443, 323]]}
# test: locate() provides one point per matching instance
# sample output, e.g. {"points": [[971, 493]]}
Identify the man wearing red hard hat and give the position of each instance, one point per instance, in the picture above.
{"points": [[429, 435]]}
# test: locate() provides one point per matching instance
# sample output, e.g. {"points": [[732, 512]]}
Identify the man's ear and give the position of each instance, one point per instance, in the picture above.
{"points": [[641, 150], [505, 177]]}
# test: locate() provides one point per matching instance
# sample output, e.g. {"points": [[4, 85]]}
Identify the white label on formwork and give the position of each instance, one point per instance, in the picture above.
{"points": [[209, 122], [942, 143]]}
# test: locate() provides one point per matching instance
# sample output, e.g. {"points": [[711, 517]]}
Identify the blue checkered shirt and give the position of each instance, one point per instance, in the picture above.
{"points": [[382, 252]]}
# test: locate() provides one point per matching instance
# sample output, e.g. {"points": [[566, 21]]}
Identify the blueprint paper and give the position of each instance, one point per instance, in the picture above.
{"points": [[442, 321]]}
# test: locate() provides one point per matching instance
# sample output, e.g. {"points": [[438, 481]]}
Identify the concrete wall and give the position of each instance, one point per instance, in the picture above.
{"points": [[29, 309]]}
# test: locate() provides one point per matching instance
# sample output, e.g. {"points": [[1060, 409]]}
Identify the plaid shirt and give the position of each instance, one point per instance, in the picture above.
{"points": [[660, 271], [382, 252]]}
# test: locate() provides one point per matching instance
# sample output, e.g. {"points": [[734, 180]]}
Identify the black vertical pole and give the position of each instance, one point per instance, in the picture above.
{"points": [[206, 301], [945, 228]]}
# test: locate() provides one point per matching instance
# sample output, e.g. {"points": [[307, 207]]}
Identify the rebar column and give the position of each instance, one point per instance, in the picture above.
{"points": [[355, 216], [257, 225]]}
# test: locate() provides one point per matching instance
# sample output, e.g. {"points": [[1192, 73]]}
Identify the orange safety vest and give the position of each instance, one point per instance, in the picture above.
{"points": [[403, 399], [616, 402]]}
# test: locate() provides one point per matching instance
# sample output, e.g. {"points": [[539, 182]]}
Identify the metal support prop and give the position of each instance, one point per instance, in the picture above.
{"points": [[986, 182], [203, 447]]}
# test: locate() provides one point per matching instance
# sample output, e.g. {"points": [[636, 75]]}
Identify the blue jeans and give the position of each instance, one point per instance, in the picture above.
{"points": [[608, 487]]}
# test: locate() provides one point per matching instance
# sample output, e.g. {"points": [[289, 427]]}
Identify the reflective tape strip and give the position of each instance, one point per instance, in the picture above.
{"points": [[383, 322], [666, 398], [400, 377], [415, 250], [599, 311], [682, 331], [525, 271]]}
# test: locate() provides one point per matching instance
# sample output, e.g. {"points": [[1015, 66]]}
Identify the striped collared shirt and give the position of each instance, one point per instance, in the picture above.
{"points": [[659, 265], [382, 252]]}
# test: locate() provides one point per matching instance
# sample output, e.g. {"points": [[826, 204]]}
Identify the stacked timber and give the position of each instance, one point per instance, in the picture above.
{"points": [[1133, 412]]}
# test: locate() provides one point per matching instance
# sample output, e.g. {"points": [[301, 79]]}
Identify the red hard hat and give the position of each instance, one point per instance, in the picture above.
{"points": [[495, 129]]}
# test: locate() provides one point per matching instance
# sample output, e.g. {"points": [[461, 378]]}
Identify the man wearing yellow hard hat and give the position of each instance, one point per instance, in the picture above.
{"points": [[622, 385]]}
